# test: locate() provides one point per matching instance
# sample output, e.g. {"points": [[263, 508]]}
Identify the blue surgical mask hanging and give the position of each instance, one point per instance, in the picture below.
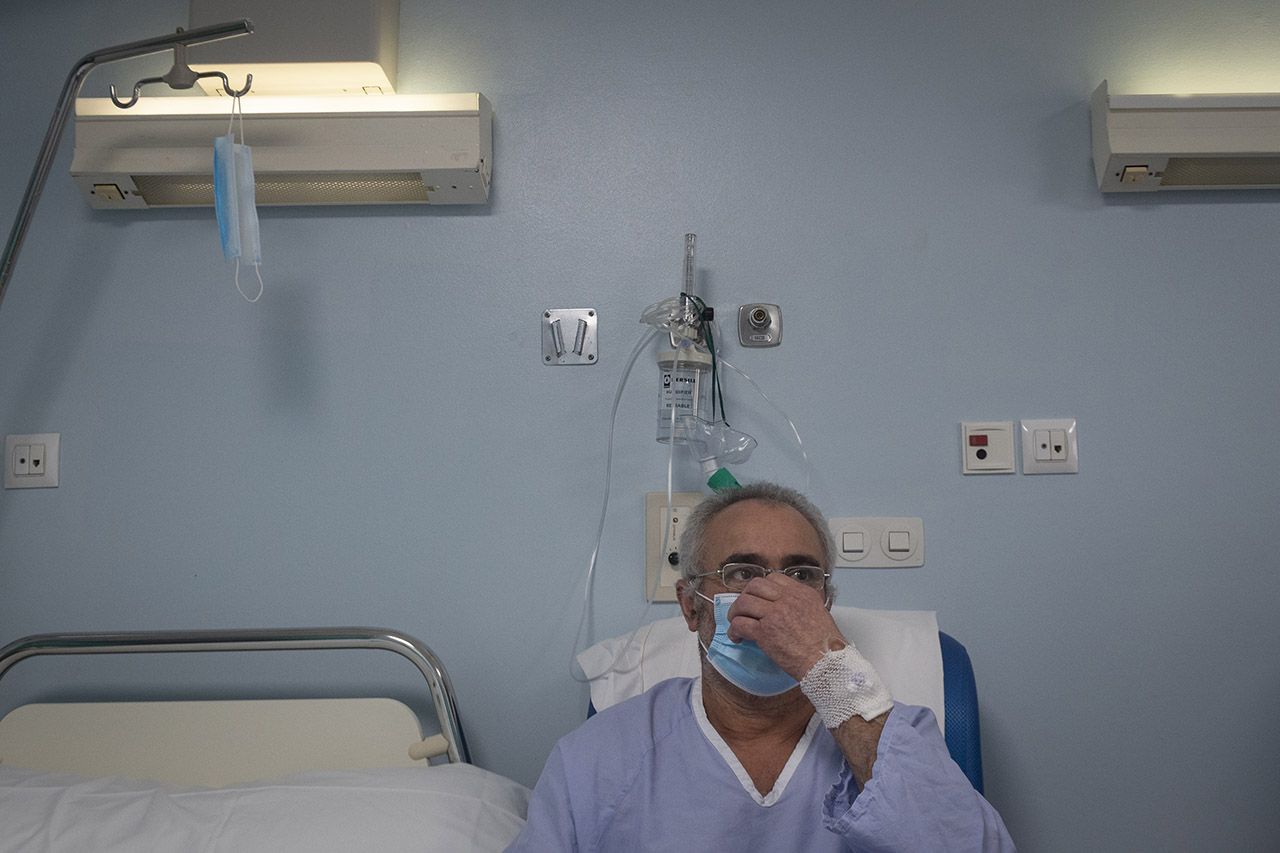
{"points": [[743, 664], [234, 196]]}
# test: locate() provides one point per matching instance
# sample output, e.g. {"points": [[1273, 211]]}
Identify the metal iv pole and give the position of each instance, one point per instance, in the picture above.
{"points": [[66, 101]]}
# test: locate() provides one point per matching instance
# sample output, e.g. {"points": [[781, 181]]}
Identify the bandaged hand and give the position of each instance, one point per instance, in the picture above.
{"points": [[844, 683]]}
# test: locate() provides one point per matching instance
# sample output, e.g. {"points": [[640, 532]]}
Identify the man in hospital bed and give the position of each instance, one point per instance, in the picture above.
{"points": [[738, 758]]}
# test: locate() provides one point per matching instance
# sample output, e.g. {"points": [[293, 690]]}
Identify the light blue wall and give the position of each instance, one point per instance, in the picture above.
{"points": [[377, 441]]}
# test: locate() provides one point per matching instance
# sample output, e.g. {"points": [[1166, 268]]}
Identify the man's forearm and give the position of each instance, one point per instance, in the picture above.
{"points": [[848, 694], [858, 740]]}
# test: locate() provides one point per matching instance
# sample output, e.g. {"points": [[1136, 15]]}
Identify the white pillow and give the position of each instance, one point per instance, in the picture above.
{"points": [[901, 644]]}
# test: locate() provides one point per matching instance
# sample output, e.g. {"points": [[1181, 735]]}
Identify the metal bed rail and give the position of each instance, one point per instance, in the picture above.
{"points": [[265, 639]]}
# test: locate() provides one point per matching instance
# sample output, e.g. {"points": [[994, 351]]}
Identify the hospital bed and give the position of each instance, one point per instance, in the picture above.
{"points": [[255, 774]]}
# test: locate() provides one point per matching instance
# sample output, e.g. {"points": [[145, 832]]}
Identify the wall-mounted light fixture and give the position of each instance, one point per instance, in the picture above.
{"points": [[321, 114], [1143, 143], [315, 150], [305, 47]]}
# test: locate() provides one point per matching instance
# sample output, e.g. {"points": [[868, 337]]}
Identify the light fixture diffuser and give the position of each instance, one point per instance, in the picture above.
{"points": [[1144, 143]]}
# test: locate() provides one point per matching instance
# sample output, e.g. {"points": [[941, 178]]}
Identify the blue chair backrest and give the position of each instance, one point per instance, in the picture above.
{"points": [[960, 700]]}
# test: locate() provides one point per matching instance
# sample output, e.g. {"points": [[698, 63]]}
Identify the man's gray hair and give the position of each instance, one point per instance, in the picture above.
{"points": [[693, 539]]}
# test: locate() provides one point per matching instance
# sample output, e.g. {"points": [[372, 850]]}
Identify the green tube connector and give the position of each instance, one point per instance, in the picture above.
{"points": [[722, 481]]}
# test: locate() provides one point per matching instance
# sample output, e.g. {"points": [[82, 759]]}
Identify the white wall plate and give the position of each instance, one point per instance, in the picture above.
{"points": [[878, 543], [1049, 446], [31, 461], [660, 574], [986, 447]]}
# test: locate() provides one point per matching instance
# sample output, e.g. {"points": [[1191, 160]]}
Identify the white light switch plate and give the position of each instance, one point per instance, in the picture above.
{"points": [[886, 543]]}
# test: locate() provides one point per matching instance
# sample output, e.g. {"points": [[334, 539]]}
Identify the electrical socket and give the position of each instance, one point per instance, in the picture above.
{"points": [[31, 461], [1049, 446]]}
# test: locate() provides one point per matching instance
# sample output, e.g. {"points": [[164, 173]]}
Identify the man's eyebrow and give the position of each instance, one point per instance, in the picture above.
{"points": [[759, 560]]}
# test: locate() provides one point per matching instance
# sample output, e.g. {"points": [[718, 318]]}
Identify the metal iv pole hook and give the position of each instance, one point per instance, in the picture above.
{"points": [[66, 102], [180, 76]]}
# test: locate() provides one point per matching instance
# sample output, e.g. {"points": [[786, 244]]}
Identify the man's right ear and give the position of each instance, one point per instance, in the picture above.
{"points": [[688, 603]]}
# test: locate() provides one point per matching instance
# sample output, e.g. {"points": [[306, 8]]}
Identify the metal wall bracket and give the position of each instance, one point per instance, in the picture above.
{"points": [[569, 336]]}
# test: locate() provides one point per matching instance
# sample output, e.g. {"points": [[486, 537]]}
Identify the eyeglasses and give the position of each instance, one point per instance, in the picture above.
{"points": [[735, 576]]}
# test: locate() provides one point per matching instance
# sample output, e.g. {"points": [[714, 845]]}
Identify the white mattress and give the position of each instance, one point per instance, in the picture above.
{"points": [[453, 807]]}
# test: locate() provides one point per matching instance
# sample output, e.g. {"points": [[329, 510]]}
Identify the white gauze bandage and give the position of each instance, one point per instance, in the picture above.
{"points": [[844, 683]]}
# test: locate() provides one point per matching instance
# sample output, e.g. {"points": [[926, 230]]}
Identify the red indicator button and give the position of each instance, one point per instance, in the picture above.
{"points": [[977, 441]]}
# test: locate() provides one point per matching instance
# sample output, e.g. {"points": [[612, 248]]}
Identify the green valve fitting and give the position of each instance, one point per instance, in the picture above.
{"points": [[722, 481]]}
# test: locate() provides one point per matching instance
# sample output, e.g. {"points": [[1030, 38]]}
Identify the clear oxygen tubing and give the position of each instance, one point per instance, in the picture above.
{"points": [[808, 466], [650, 591], [674, 322], [589, 582]]}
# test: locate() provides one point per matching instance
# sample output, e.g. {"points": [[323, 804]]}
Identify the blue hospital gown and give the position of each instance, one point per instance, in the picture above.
{"points": [[645, 775]]}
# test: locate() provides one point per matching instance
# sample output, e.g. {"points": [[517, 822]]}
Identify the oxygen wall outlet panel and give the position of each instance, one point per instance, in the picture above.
{"points": [[878, 543], [31, 461], [986, 447], [759, 325], [1049, 446], [662, 540]]}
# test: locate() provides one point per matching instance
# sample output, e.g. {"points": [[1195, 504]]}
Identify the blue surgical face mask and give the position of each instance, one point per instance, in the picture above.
{"points": [[743, 664], [234, 196]]}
